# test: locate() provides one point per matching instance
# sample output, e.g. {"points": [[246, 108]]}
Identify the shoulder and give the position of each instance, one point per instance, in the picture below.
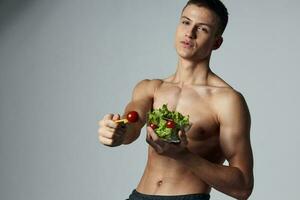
{"points": [[149, 82], [232, 107], [224, 94], [147, 86], [228, 95]]}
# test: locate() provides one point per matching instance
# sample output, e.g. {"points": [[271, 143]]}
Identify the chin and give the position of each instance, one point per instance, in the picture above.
{"points": [[192, 57], [185, 55]]}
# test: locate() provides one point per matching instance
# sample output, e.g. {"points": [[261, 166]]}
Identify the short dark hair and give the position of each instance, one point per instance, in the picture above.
{"points": [[215, 5]]}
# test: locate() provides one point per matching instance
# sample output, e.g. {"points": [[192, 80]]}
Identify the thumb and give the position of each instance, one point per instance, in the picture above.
{"points": [[116, 117], [182, 136], [108, 116]]}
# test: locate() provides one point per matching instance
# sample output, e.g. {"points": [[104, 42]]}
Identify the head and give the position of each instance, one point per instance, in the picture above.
{"points": [[217, 7], [200, 29]]}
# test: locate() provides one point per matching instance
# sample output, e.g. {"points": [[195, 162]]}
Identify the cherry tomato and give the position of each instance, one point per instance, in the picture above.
{"points": [[170, 124], [153, 126], [132, 116]]}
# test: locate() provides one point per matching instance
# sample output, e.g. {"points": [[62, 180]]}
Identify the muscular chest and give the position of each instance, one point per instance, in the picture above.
{"points": [[198, 104]]}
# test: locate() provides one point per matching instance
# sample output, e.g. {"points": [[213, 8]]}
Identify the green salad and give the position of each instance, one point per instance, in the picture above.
{"points": [[166, 124]]}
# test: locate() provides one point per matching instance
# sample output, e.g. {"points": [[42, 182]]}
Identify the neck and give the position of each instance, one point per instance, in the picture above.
{"points": [[191, 73]]}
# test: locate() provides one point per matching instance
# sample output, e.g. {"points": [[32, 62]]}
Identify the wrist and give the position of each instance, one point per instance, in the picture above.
{"points": [[182, 154], [186, 156]]}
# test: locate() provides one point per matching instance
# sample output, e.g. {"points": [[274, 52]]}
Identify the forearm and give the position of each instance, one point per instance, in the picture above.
{"points": [[131, 134], [229, 180], [133, 130]]}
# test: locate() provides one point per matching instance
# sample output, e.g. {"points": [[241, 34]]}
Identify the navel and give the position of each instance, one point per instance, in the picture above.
{"points": [[159, 183]]}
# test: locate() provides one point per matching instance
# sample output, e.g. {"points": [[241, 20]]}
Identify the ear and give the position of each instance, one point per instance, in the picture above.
{"points": [[218, 42]]}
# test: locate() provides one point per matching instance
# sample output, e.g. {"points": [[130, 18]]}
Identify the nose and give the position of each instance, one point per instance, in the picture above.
{"points": [[190, 32]]}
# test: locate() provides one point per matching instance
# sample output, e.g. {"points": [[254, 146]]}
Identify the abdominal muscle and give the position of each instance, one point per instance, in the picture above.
{"points": [[167, 176]]}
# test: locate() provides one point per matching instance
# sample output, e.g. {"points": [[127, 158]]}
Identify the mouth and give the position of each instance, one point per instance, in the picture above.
{"points": [[187, 44]]}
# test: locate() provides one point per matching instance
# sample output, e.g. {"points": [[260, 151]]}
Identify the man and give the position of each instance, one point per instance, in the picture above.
{"points": [[219, 115]]}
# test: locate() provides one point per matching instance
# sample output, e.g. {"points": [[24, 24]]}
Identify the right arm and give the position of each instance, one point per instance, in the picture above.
{"points": [[141, 102], [112, 133]]}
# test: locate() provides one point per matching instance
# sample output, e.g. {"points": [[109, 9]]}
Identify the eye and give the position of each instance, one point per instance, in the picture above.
{"points": [[185, 22], [201, 28]]}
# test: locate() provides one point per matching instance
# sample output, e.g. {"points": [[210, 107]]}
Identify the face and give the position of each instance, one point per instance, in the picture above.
{"points": [[196, 33]]}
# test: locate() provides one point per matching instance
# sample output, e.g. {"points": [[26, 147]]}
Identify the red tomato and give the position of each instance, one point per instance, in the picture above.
{"points": [[132, 116], [170, 124], [153, 126]]}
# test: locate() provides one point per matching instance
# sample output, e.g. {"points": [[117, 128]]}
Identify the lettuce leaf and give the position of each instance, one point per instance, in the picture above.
{"points": [[160, 116]]}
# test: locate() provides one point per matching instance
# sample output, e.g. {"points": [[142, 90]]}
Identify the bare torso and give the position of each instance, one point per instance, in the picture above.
{"points": [[167, 176]]}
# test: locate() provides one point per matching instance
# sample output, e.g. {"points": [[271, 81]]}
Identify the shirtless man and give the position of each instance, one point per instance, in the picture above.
{"points": [[219, 115]]}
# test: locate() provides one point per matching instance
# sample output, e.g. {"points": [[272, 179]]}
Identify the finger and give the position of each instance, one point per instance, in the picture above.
{"points": [[107, 121], [153, 144], [107, 128], [152, 133], [182, 137], [110, 123], [101, 122], [152, 141], [105, 141], [108, 116], [105, 133], [116, 117], [111, 133], [155, 137], [181, 134]]}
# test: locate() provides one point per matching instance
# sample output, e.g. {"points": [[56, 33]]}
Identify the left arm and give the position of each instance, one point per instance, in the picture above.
{"points": [[236, 179]]}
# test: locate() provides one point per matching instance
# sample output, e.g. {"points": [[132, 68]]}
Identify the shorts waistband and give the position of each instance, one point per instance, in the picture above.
{"points": [[135, 195]]}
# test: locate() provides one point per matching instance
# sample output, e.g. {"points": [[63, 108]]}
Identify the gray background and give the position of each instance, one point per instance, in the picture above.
{"points": [[65, 64]]}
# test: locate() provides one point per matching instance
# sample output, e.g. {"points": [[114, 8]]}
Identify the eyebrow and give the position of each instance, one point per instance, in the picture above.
{"points": [[200, 23]]}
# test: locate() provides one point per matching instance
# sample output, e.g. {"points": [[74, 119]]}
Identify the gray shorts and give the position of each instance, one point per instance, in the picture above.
{"points": [[135, 195]]}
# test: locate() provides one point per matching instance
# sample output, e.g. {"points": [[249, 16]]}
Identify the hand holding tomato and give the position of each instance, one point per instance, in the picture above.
{"points": [[111, 133]]}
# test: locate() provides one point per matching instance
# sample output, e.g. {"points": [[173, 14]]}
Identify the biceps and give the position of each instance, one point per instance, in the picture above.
{"points": [[237, 150]]}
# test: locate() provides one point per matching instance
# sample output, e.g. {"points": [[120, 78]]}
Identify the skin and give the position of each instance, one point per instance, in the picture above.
{"points": [[219, 115]]}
